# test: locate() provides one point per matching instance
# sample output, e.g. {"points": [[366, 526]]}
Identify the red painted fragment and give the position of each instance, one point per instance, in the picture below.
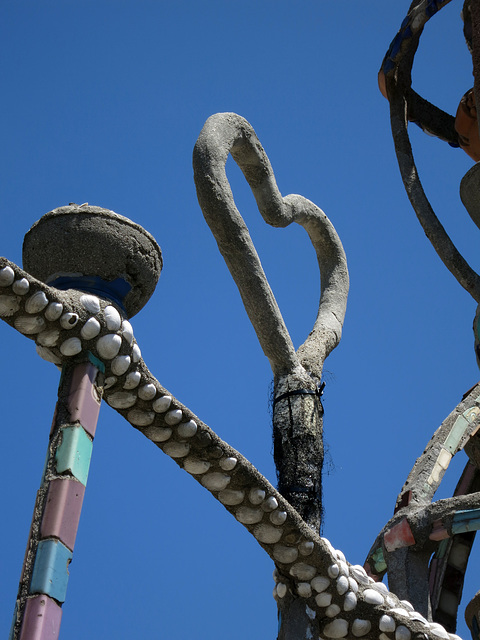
{"points": [[399, 536], [41, 620], [62, 511], [83, 404], [438, 531]]}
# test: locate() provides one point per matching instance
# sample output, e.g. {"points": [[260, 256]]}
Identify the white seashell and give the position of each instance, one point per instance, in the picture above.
{"points": [[400, 612], [21, 287], [109, 382], [414, 615], [281, 590], [343, 568], [380, 586], [302, 571], [91, 303], [188, 430], [113, 319], [71, 347], [324, 599], [304, 589], [176, 449], [373, 597], [161, 404], [136, 353], [90, 329], [361, 627], [147, 391], [350, 601], [402, 633], [127, 331], [256, 496], [353, 585], [195, 466], [439, 631], [7, 276], [342, 585], [48, 355], [306, 547], [48, 338], [247, 515], [54, 311], [390, 601], [120, 365], [215, 481], [227, 464], [407, 605], [158, 434], [387, 624], [68, 320], [173, 417], [36, 303], [278, 517], [121, 400], [359, 573], [336, 629], [140, 418], [270, 504], [285, 554], [267, 534], [231, 497], [329, 546], [332, 611], [383, 636], [340, 555], [333, 570], [9, 305], [132, 380], [108, 346], [320, 583], [29, 324]]}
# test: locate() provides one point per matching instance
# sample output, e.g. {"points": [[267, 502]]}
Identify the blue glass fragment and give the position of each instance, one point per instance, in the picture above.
{"points": [[115, 290]]}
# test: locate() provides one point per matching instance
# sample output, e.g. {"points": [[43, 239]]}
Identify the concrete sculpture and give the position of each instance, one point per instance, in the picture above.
{"points": [[445, 528], [318, 592]]}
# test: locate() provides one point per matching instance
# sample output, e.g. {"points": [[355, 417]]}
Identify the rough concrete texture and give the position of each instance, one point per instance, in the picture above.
{"points": [[93, 241]]}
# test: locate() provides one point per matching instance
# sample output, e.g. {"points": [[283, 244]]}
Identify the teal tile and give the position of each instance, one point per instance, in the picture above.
{"points": [[468, 520], [50, 571], [74, 453], [455, 435], [379, 560]]}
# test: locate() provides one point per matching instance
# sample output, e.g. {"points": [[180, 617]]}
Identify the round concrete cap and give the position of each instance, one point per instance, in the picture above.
{"points": [[86, 241], [470, 192]]}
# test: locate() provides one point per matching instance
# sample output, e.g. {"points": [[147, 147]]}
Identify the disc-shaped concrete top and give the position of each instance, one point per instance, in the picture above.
{"points": [[91, 247]]}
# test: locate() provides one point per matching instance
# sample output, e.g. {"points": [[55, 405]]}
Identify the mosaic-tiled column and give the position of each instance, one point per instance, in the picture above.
{"points": [[44, 579], [112, 266]]}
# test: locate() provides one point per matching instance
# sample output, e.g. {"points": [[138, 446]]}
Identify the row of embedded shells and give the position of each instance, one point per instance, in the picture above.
{"points": [[340, 591], [251, 507], [37, 313]]}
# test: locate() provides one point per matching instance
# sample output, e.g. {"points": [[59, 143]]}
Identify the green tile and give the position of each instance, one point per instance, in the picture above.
{"points": [[74, 453], [456, 433]]}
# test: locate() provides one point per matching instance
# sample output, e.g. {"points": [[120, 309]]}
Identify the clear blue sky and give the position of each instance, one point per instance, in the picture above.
{"points": [[102, 102]]}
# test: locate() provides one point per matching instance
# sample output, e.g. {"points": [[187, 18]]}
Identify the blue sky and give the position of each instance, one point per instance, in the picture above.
{"points": [[102, 102]]}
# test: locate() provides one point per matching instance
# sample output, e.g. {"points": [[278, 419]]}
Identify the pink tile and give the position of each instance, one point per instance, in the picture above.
{"points": [[82, 401], [62, 511], [41, 620]]}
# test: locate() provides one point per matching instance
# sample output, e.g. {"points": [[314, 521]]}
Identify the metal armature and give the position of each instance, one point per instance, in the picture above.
{"points": [[420, 527], [81, 323]]}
